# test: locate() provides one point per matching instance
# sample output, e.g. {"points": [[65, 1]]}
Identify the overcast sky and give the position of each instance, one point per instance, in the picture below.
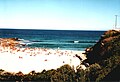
{"points": [[59, 14]]}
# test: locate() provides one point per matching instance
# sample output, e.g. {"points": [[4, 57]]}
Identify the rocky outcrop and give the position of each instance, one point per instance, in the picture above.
{"points": [[108, 45], [9, 42]]}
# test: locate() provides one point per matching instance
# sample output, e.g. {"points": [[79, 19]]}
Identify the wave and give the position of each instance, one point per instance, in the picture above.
{"points": [[37, 41], [59, 42], [82, 41], [23, 41], [62, 44], [56, 41]]}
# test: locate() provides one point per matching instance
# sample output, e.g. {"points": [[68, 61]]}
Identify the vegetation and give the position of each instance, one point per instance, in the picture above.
{"points": [[106, 53], [103, 57]]}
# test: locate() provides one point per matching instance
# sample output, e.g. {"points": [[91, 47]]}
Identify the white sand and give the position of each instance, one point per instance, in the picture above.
{"points": [[38, 59]]}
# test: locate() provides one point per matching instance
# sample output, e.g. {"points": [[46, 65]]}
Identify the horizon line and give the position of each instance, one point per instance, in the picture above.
{"points": [[54, 29]]}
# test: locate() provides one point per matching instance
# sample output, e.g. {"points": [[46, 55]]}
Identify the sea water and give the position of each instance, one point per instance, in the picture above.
{"points": [[54, 39]]}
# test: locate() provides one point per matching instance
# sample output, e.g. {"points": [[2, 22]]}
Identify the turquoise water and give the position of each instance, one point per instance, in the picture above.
{"points": [[62, 39]]}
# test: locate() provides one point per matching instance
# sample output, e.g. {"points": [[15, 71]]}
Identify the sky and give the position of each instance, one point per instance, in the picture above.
{"points": [[59, 14]]}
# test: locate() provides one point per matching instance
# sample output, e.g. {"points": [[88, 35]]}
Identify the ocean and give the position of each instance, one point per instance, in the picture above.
{"points": [[54, 39]]}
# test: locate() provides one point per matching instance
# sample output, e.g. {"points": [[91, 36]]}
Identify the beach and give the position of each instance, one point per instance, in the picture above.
{"points": [[14, 59]]}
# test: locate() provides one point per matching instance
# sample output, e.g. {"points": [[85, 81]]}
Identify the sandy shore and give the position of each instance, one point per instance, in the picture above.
{"points": [[28, 59]]}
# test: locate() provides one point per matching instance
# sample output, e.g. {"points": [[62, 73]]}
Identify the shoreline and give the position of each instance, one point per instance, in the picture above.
{"points": [[28, 59]]}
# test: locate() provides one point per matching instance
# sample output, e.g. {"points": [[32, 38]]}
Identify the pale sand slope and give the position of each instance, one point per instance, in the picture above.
{"points": [[12, 63]]}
